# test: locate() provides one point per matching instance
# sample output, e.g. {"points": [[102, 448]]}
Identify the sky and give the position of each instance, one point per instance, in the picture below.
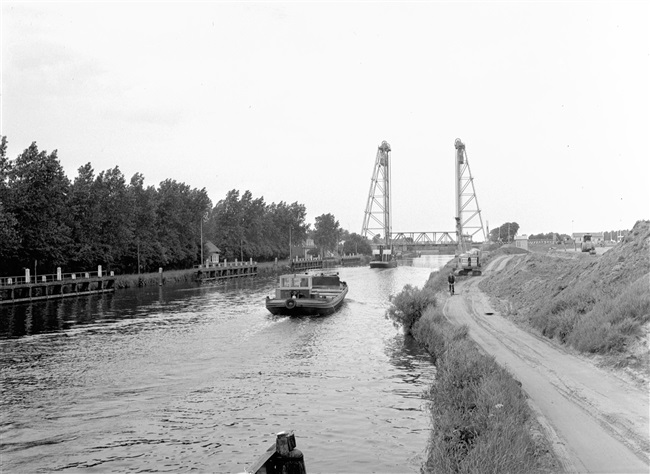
{"points": [[290, 101]]}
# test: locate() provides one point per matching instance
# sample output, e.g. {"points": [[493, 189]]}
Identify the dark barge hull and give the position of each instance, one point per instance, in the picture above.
{"points": [[305, 306]]}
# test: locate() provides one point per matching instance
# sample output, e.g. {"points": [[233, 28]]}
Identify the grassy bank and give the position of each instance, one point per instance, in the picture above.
{"points": [[597, 305], [481, 420]]}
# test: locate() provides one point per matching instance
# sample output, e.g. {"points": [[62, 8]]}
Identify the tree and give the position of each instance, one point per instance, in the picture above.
{"points": [[355, 243], [504, 233], [144, 249], [9, 237], [39, 202], [116, 216], [227, 228], [179, 212], [85, 219], [326, 232], [287, 220]]}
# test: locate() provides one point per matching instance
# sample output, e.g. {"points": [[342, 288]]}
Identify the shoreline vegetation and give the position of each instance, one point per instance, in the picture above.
{"points": [[188, 275], [481, 421]]}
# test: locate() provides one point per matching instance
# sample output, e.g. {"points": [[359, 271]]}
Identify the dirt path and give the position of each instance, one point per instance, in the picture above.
{"points": [[597, 421]]}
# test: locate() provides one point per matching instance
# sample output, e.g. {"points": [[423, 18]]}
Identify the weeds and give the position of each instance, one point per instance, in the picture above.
{"points": [[592, 322], [612, 325], [479, 414]]}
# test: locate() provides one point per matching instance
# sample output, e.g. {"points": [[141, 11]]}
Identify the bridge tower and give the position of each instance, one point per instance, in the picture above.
{"points": [[468, 213], [376, 220]]}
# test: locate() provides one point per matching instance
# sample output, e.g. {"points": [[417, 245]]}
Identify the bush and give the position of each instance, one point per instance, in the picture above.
{"points": [[612, 325], [408, 305]]}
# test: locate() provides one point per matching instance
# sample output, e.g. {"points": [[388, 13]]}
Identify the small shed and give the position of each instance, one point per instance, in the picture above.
{"points": [[521, 241], [211, 253]]}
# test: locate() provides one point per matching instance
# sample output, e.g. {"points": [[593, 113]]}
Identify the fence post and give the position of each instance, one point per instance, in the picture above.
{"points": [[58, 273], [99, 271], [27, 277], [160, 276]]}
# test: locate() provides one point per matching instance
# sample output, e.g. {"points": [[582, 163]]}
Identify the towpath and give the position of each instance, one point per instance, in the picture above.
{"points": [[597, 421]]}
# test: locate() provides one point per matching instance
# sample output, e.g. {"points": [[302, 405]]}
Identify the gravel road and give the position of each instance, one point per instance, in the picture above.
{"points": [[596, 420]]}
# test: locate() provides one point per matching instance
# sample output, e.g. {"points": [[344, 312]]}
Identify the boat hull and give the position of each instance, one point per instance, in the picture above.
{"points": [[306, 306], [389, 264]]}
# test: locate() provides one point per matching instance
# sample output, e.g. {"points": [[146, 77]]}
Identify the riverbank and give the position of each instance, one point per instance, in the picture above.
{"points": [[183, 276], [187, 275], [481, 419]]}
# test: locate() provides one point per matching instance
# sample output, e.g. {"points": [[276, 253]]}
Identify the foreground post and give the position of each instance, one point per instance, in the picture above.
{"points": [[281, 457], [290, 459]]}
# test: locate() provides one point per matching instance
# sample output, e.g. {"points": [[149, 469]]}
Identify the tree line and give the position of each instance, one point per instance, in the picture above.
{"points": [[50, 221]]}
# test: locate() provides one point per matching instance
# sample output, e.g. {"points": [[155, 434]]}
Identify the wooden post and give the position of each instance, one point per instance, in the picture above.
{"points": [[58, 273], [160, 276], [99, 271], [27, 277], [291, 460]]}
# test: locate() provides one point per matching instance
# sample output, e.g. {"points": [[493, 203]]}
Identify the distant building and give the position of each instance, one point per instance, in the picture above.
{"points": [[302, 250], [521, 241], [596, 237], [211, 253]]}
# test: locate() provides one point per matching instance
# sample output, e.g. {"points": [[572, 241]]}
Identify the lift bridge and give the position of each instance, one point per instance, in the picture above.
{"points": [[377, 224]]}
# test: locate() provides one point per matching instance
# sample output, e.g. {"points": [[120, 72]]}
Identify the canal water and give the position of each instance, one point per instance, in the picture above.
{"points": [[201, 377]]}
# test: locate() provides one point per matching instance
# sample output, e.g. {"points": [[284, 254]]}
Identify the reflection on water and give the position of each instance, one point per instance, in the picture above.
{"points": [[201, 377]]}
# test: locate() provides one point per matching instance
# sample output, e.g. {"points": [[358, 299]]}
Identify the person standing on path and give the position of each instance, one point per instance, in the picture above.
{"points": [[451, 279]]}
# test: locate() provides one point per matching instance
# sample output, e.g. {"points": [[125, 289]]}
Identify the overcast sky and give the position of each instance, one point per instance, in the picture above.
{"points": [[291, 100]]}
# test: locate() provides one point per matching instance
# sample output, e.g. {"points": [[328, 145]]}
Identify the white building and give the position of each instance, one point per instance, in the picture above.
{"points": [[521, 241]]}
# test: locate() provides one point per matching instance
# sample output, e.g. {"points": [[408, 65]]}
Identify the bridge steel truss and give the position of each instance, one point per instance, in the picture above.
{"points": [[422, 238], [376, 220], [468, 213]]}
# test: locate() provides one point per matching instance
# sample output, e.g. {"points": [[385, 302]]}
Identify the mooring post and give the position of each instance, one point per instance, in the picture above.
{"points": [[291, 460]]}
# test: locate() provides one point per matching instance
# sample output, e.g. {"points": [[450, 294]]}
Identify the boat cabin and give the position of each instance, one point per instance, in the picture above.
{"points": [[382, 254], [305, 286]]}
